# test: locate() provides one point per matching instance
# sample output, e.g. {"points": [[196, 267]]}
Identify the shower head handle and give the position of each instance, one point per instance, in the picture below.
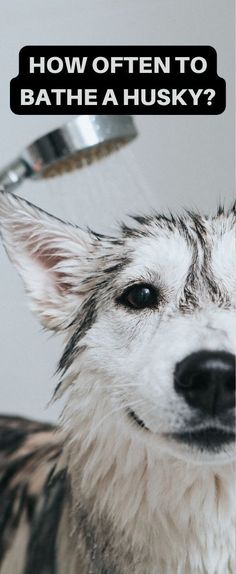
{"points": [[13, 174]]}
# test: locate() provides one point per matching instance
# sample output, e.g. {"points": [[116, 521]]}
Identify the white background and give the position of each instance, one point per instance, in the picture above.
{"points": [[175, 162]]}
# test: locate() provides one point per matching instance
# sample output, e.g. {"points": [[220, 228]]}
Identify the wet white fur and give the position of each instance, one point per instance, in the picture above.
{"points": [[175, 504]]}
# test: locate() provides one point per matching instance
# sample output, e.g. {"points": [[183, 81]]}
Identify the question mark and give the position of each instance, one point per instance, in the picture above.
{"points": [[211, 96]]}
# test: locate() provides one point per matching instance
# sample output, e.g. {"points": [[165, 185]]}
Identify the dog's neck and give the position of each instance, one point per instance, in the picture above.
{"points": [[170, 511]]}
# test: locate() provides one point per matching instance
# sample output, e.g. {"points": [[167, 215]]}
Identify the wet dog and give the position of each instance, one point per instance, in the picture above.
{"points": [[138, 478]]}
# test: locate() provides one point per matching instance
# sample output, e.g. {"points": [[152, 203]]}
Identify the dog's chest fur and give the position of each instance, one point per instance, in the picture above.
{"points": [[157, 516], [114, 518]]}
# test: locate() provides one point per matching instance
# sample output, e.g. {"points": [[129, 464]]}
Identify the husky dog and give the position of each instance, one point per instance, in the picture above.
{"points": [[138, 478]]}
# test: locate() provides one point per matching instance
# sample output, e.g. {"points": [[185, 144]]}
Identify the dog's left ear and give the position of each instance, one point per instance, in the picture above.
{"points": [[51, 256]]}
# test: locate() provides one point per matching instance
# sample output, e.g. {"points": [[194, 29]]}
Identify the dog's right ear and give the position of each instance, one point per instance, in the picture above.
{"points": [[51, 256]]}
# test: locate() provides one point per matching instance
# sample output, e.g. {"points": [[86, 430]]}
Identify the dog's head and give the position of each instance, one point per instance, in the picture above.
{"points": [[150, 316]]}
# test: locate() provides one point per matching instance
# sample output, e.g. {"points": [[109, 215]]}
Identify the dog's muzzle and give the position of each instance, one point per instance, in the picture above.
{"points": [[206, 381]]}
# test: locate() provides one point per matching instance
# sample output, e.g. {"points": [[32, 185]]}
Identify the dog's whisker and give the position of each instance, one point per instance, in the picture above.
{"points": [[115, 410]]}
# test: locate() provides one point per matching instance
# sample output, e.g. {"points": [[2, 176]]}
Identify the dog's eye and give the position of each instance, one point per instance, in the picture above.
{"points": [[139, 297]]}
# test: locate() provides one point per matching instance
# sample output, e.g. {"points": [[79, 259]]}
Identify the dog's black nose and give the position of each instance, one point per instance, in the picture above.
{"points": [[207, 381]]}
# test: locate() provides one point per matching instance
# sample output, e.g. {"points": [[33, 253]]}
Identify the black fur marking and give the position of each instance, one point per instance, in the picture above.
{"points": [[129, 232], [202, 277], [41, 552], [97, 545], [116, 268], [102, 281], [14, 502], [141, 219], [184, 230], [167, 222], [233, 210], [17, 467], [199, 228], [217, 292], [12, 506], [221, 210], [14, 430], [189, 300], [135, 418], [86, 318]]}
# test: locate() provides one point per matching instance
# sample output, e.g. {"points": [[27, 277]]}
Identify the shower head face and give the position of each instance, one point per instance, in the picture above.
{"points": [[79, 142]]}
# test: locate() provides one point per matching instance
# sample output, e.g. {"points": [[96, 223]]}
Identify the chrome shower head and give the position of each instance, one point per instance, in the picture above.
{"points": [[82, 140]]}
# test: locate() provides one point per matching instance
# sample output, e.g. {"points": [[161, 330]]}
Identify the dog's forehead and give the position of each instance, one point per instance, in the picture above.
{"points": [[163, 253], [170, 246]]}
